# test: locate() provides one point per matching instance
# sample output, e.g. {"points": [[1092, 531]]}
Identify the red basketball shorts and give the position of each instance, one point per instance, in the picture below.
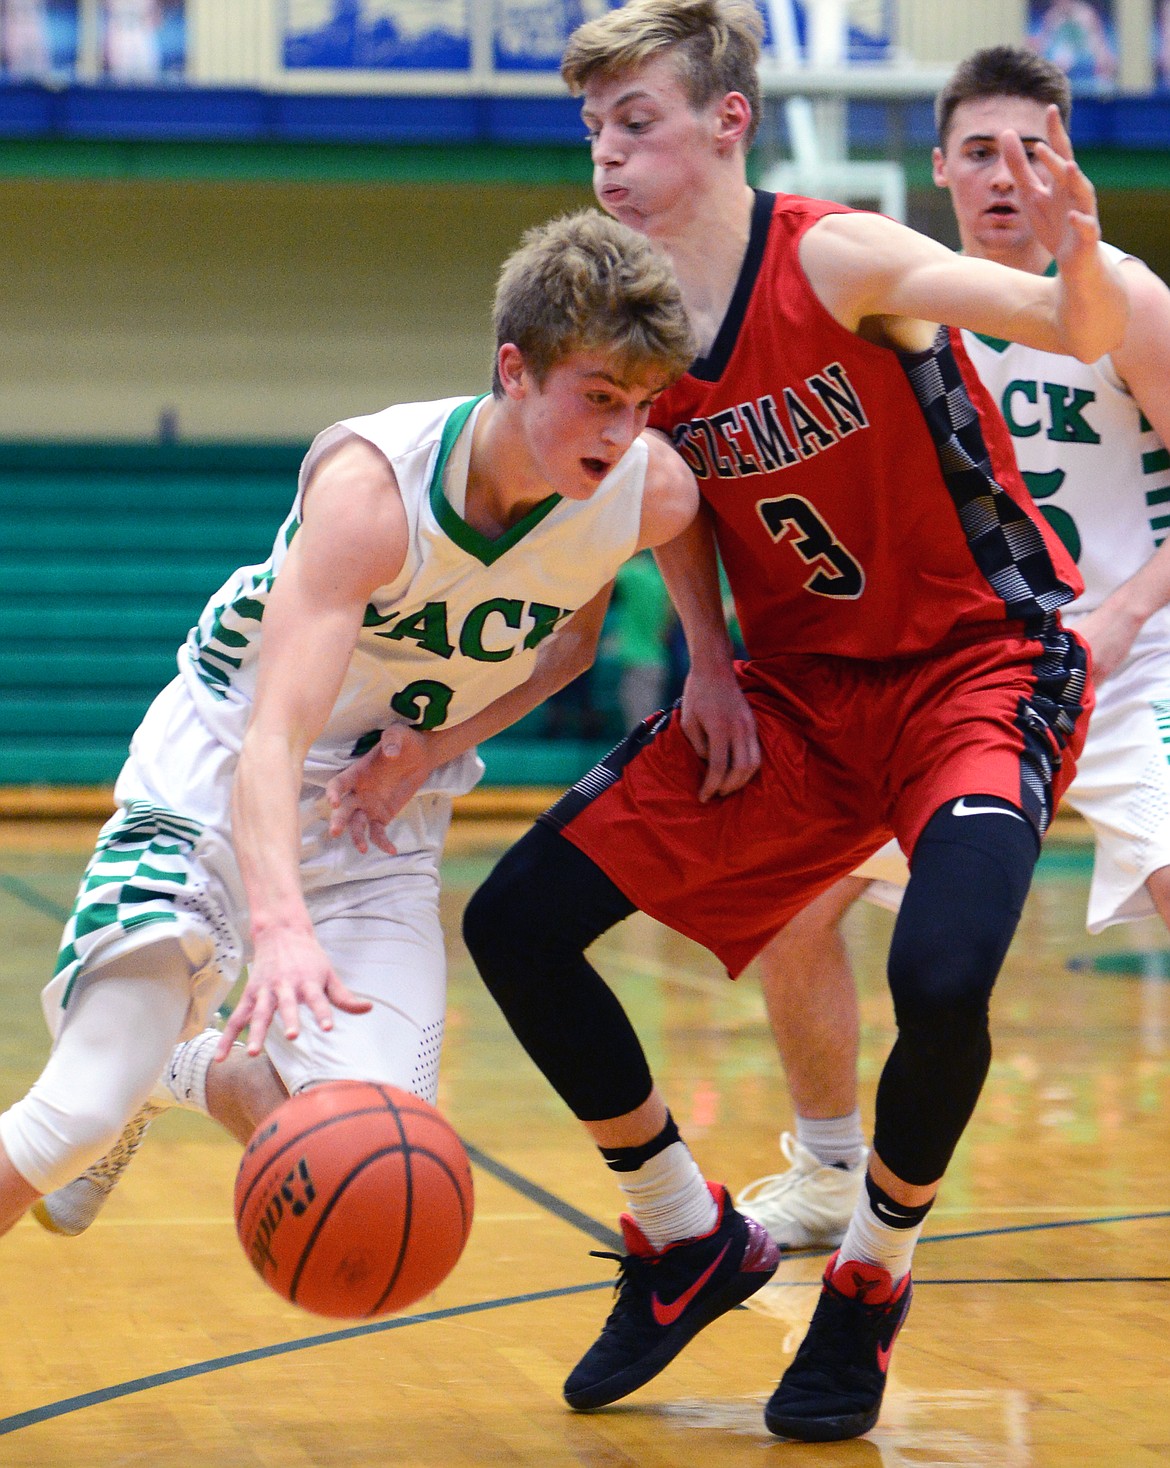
{"points": [[853, 752]]}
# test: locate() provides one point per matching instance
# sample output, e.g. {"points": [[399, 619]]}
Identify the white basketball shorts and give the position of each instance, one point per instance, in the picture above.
{"points": [[164, 867]]}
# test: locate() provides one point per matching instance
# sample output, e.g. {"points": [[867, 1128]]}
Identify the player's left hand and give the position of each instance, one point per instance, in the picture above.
{"points": [[367, 796], [1059, 201], [718, 721]]}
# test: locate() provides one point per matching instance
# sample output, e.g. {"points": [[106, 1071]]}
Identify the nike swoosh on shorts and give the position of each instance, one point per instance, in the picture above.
{"points": [[961, 808]]}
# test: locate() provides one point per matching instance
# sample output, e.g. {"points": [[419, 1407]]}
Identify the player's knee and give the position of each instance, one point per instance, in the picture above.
{"points": [[491, 920], [933, 976], [942, 991], [539, 910], [951, 1042], [969, 879], [50, 1146]]}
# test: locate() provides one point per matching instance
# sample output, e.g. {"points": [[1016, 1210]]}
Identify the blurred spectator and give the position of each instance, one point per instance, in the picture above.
{"points": [[641, 621], [133, 50], [1162, 42], [573, 712], [1077, 36], [27, 45]]}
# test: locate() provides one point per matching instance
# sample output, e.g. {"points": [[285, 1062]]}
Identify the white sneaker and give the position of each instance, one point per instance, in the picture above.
{"points": [[810, 1205], [72, 1208]]}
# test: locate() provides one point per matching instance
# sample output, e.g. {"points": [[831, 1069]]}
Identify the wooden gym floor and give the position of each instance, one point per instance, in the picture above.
{"points": [[1042, 1307]]}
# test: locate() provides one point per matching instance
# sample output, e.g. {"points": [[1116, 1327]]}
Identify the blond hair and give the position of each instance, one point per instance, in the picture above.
{"points": [[584, 283], [715, 44]]}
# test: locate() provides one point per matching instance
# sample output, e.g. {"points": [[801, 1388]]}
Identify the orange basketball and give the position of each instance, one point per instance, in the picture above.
{"points": [[354, 1199]]}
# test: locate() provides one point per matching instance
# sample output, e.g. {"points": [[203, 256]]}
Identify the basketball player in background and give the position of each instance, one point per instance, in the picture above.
{"points": [[1091, 441], [445, 566]]}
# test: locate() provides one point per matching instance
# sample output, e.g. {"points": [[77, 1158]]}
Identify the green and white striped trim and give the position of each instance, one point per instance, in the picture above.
{"points": [[1156, 467], [1161, 711], [138, 869], [218, 648]]}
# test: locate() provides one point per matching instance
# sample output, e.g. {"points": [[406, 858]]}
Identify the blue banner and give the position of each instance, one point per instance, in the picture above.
{"points": [[377, 35], [526, 35]]}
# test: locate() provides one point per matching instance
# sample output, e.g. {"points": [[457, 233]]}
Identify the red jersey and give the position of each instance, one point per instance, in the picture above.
{"points": [[866, 501]]}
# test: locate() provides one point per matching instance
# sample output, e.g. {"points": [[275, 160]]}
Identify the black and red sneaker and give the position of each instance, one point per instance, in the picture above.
{"points": [[833, 1389], [664, 1299]]}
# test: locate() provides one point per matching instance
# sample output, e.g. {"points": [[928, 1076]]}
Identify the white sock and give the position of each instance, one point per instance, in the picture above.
{"points": [[669, 1198], [835, 1141], [873, 1242], [184, 1082]]}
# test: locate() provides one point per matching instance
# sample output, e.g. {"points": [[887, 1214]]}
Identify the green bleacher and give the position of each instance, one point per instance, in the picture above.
{"points": [[108, 553]]}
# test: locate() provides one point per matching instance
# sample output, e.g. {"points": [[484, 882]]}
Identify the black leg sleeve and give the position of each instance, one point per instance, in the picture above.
{"points": [[969, 877], [527, 928]]}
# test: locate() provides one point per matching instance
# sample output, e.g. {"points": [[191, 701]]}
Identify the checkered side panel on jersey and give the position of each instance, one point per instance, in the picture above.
{"points": [[608, 772], [1047, 719], [137, 870], [1006, 543]]}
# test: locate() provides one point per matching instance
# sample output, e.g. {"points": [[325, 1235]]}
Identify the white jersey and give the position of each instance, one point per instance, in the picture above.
{"points": [[1097, 470], [463, 621]]}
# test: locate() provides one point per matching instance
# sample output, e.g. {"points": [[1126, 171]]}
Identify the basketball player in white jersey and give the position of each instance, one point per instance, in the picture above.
{"points": [[444, 568], [1092, 442]]}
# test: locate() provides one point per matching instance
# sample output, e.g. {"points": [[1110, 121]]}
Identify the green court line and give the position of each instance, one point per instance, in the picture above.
{"points": [[32, 898], [1149, 963], [262, 1353]]}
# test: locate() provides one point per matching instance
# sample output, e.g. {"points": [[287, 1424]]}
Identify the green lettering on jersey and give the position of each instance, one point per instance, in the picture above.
{"points": [[545, 620], [428, 628], [1066, 527], [424, 702], [1042, 486], [1067, 405], [1156, 461], [471, 637], [1018, 389]]}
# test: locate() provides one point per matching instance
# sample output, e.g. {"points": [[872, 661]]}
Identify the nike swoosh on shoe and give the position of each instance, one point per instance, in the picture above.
{"points": [[668, 1314]]}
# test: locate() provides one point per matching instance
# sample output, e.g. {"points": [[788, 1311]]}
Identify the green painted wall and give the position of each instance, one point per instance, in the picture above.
{"points": [[252, 310]]}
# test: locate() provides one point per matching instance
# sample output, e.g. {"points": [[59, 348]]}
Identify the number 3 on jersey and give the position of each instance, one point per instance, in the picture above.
{"points": [[792, 517]]}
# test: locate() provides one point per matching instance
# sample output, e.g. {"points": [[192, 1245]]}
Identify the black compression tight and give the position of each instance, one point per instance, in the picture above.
{"points": [[969, 877], [527, 929], [528, 926]]}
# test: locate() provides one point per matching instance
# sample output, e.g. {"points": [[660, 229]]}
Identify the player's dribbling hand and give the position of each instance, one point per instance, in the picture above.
{"points": [[289, 969], [718, 721]]}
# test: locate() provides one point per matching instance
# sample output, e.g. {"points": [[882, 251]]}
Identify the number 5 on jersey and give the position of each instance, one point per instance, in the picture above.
{"points": [[792, 517]]}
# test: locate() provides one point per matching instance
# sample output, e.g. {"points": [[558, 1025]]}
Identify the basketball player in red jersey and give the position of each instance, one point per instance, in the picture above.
{"points": [[907, 674]]}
